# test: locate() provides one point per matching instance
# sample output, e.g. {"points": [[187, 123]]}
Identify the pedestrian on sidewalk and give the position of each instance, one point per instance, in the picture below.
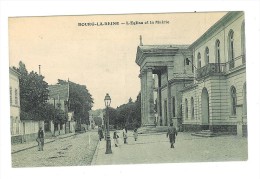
{"points": [[100, 133], [125, 135], [115, 137], [135, 134], [172, 132], [40, 139]]}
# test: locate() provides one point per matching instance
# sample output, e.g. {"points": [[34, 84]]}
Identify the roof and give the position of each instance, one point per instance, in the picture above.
{"points": [[59, 92], [160, 50], [225, 19], [13, 71]]}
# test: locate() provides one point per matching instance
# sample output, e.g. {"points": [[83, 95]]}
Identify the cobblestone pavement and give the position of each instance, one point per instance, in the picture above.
{"points": [[77, 150], [155, 148]]}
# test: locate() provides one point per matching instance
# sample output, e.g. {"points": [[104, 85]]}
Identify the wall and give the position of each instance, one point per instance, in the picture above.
{"points": [[15, 127], [28, 131]]}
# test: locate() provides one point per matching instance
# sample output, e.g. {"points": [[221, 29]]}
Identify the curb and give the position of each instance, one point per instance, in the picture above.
{"points": [[94, 158], [52, 140]]}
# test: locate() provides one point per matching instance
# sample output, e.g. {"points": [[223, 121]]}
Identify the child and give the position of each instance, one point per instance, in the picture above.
{"points": [[125, 135], [135, 134], [115, 137]]}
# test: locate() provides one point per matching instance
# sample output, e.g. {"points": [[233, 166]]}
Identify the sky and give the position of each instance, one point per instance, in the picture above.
{"points": [[100, 57]]}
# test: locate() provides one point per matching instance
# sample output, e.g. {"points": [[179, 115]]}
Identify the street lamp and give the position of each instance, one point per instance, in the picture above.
{"points": [[107, 101]]}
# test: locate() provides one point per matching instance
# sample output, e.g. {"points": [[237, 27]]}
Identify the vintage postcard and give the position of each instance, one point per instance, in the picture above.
{"points": [[128, 89]]}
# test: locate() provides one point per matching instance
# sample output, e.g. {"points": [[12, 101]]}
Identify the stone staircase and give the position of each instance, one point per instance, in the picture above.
{"points": [[204, 133], [148, 130]]}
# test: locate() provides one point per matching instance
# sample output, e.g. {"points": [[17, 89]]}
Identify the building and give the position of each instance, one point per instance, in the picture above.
{"points": [[21, 130], [59, 98], [15, 122], [201, 86]]}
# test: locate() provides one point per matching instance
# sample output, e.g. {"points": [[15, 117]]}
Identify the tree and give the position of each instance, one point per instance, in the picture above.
{"points": [[33, 94], [80, 100]]}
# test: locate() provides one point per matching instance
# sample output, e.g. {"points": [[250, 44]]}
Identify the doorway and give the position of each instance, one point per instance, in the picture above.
{"points": [[205, 109]]}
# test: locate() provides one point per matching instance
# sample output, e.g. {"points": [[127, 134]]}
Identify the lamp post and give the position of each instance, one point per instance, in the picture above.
{"points": [[107, 101]]}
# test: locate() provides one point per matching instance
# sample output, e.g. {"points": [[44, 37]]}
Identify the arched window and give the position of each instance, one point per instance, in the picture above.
{"points": [[233, 100], [231, 54], [186, 109], [192, 107], [199, 60], [244, 100], [243, 46], [218, 51], [206, 56]]}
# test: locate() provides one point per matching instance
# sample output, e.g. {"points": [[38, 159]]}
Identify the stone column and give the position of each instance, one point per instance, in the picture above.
{"points": [[141, 76], [159, 100], [149, 99], [169, 76]]}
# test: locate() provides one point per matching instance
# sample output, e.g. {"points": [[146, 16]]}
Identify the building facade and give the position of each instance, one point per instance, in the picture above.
{"points": [[21, 130], [201, 86], [15, 122], [217, 99], [59, 98]]}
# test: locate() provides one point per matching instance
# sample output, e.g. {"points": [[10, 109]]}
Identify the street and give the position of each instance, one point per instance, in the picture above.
{"points": [[76, 150], [155, 148], [84, 149]]}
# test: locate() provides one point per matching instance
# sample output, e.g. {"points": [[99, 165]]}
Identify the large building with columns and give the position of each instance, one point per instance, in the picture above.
{"points": [[201, 86]]}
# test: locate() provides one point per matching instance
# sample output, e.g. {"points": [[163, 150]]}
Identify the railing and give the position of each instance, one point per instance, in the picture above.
{"points": [[211, 69], [236, 62], [220, 68]]}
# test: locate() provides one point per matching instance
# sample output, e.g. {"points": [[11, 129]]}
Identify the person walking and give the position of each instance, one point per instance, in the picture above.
{"points": [[135, 134], [40, 139], [115, 137], [125, 135], [100, 133], [172, 132]]}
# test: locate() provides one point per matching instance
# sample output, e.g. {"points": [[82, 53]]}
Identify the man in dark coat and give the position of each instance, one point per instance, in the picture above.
{"points": [[40, 139], [172, 132], [100, 133]]}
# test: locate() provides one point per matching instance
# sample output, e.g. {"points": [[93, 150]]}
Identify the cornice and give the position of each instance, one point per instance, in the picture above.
{"points": [[157, 50], [219, 24]]}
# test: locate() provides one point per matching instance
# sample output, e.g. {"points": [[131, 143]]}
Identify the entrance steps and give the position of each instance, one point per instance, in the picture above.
{"points": [[204, 133], [157, 129]]}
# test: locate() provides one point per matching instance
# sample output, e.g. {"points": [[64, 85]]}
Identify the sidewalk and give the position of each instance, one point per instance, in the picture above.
{"points": [[28, 145], [155, 148]]}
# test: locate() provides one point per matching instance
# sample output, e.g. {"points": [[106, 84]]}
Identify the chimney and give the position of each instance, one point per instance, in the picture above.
{"points": [[39, 69], [141, 43]]}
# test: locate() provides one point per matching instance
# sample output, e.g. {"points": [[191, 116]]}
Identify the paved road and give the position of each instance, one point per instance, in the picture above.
{"points": [[76, 150], [156, 149]]}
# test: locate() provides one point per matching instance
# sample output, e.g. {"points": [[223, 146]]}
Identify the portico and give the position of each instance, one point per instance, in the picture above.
{"points": [[162, 73]]}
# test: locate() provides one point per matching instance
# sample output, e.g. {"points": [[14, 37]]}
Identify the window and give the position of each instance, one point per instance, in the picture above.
{"points": [[173, 107], [244, 100], [233, 100], [186, 109], [231, 49], [11, 125], [243, 46], [16, 97], [206, 56], [11, 97], [199, 60], [217, 51], [192, 108]]}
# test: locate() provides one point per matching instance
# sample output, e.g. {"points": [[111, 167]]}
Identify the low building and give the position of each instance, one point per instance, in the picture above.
{"points": [[59, 98]]}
